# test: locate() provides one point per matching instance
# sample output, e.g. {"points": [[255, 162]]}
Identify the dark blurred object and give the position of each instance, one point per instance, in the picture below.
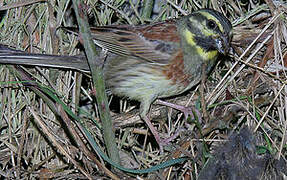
{"points": [[2, 14], [16, 57], [237, 159]]}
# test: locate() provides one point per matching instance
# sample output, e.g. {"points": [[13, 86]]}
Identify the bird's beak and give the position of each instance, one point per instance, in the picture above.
{"points": [[222, 44]]}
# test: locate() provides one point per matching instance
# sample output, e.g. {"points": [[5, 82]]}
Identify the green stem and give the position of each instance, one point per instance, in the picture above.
{"points": [[95, 65], [147, 9]]}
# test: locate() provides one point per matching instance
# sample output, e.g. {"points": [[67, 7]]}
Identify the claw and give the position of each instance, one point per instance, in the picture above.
{"points": [[187, 111], [161, 142]]}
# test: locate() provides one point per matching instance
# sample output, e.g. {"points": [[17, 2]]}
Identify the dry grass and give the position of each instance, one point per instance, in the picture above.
{"points": [[247, 89]]}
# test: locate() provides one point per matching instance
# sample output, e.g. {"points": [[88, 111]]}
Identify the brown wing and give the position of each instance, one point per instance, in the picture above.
{"points": [[154, 43]]}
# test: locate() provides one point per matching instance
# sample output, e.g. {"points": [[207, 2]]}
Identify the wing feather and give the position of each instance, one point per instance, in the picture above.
{"points": [[155, 43]]}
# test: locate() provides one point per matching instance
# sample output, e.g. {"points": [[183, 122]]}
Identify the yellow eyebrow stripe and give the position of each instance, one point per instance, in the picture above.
{"points": [[209, 16], [203, 29]]}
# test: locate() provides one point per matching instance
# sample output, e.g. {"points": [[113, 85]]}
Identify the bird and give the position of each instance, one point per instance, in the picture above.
{"points": [[162, 59], [153, 61]]}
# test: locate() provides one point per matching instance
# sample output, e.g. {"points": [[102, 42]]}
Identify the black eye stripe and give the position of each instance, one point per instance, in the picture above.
{"points": [[222, 19], [208, 20], [208, 23]]}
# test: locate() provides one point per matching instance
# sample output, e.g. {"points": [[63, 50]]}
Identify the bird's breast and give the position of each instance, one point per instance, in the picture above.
{"points": [[176, 72]]}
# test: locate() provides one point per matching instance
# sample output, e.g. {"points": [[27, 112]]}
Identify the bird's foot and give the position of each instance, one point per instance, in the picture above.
{"points": [[164, 142], [161, 142], [187, 111]]}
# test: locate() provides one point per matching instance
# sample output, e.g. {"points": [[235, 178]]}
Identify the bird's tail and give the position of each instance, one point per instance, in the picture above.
{"points": [[17, 57]]}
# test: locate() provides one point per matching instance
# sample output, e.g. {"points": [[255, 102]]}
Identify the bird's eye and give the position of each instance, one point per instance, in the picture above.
{"points": [[211, 24]]}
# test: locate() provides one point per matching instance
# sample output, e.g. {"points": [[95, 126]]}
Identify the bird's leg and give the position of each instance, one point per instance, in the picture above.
{"points": [[161, 142], [154, 132], [186, 110]]}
